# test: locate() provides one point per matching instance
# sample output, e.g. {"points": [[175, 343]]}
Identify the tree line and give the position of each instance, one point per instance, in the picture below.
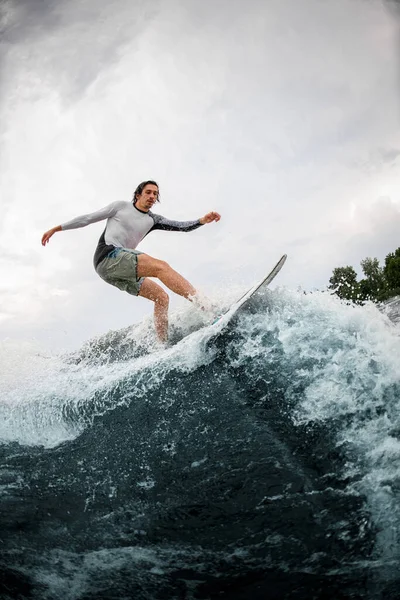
{"points": [[379, 283]]}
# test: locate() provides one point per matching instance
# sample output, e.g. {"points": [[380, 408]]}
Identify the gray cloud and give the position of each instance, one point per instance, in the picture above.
{"points": [[71, 43]]}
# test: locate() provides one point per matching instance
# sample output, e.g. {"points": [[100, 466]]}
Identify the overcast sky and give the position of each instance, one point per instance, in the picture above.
{"points": [[283, 115]]}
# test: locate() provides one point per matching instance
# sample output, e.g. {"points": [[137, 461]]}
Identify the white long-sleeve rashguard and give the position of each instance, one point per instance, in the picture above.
{"points": [[126, 226]]}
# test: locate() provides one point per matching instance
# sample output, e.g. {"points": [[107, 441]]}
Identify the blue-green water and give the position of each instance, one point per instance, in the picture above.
{"points": [[263, 464]]}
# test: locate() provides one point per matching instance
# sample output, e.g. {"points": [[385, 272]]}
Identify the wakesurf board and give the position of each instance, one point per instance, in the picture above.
{"points": [[224, 319], [211, 332]]}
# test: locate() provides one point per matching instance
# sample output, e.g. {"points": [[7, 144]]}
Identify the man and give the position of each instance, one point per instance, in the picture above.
{"points": [[116, 259]]}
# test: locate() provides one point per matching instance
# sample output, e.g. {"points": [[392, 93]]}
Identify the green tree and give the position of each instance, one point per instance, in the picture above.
{"points": [[392, 269], [374, 283], [391, 273], [344, 282]]}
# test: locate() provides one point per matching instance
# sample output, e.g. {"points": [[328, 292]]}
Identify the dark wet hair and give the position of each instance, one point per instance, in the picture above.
{"points": [[141, 187]]}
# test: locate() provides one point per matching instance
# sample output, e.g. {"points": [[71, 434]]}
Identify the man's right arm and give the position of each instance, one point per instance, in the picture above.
{"points": [[104, 213], [46, 236]]}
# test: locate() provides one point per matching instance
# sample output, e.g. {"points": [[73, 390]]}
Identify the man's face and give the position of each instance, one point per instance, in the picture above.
{"points": [[148, 197]]}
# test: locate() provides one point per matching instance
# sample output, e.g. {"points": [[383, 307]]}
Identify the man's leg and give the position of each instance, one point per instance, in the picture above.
{"points": [[152, 291], [152, 267]]}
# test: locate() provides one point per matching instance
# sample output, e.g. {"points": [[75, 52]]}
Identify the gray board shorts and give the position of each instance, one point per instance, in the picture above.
{"points": [[119, 268]]}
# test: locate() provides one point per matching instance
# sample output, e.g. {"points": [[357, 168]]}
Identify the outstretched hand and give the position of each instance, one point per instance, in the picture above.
{"points": [[210, 217], [46, 236]]}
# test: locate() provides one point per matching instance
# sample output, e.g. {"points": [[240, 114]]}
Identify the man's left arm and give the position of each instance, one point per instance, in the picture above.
{"points": [[170, 225]]}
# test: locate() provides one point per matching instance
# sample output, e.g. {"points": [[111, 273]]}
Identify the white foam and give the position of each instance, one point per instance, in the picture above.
{"points": [[46, 400]]}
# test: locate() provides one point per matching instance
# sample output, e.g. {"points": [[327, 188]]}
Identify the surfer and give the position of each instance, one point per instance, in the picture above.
{"points": [[117, 261]]}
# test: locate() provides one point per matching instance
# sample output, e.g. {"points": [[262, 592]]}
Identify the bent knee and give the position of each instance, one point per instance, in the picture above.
{"points": [[162, 299]]}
